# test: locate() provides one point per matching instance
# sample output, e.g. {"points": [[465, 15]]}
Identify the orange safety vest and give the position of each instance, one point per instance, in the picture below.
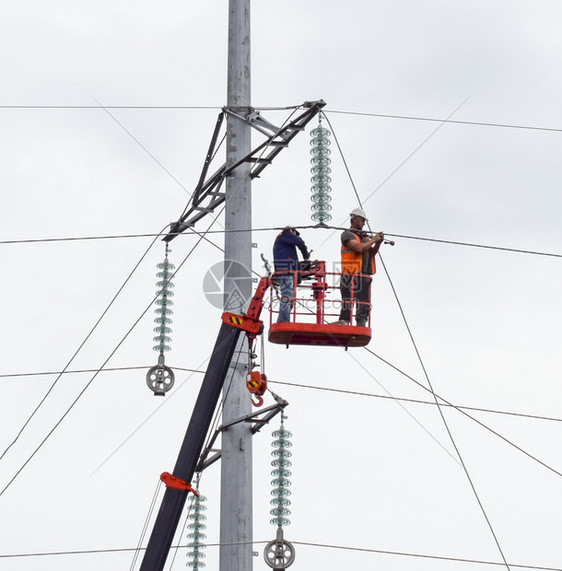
{"points": [[351, 261]]}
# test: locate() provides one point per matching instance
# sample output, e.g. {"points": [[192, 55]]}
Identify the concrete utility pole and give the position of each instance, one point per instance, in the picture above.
{"points": [[236, 459]]}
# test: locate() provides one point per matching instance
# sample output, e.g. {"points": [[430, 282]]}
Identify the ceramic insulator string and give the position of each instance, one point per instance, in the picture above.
{"points": [[320, 171], [281, 474], [196, 533], [163, 302]]}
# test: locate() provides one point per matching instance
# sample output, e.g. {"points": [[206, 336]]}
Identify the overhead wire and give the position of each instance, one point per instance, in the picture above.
{"points": [[167, 400], [445, 423], [201, 236], [361, 205], [265, 108], [153, 157], [413, 401], [276, 229], [145, 525], [344, 160], [395, 170], [303, 543], [300, 385], [176, 548], [423, 556], [84, 341], [441, 124], [354, 187], [453, 121], [142, 107], [463, 411], [235, 191], [437, 404], [57, 424], [154, 412], [463, 244], [457, 450], [163, 403], [78, 371]]}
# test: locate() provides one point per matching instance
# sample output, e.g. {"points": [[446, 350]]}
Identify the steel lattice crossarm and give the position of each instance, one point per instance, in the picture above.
{"points": [[207, 195]]}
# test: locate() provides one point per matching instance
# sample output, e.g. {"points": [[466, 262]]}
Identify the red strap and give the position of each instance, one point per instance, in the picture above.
{"points": [[176, 483]]}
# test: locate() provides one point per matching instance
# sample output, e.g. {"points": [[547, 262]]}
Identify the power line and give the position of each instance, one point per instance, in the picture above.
{"points": [[102, 370], [441, 124], [106, 110], [301, 386], [414, 401], [445, 423], [405, 554], [84, 341], [97, 107], [455, 121], [460, 409], [217, 107], [275, 229], [140, 107], [91, 380], [303, 543], [473, 245]]}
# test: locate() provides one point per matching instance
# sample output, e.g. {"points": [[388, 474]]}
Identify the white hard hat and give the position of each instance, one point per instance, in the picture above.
{"points": [[359, 212]]}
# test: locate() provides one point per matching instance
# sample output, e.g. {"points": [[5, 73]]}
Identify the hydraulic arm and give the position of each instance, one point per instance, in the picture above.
{"points": [[174, 499], [177, 484]]}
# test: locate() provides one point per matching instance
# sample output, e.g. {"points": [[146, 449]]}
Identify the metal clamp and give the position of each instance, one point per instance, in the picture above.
{"points": [[279, 554]]}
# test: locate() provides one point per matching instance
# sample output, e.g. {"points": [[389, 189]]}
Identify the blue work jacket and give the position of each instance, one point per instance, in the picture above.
{"points": [[285, 251]]}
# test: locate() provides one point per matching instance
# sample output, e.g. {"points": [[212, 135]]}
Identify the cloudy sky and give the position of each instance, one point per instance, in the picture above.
{"points": [[377, 482]]}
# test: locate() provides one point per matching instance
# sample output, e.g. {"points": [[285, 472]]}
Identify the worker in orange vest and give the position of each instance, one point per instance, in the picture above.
{"points": [[358, 253]]}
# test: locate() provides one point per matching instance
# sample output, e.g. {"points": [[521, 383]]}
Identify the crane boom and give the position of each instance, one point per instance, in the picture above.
{"points": [[174, 499]]}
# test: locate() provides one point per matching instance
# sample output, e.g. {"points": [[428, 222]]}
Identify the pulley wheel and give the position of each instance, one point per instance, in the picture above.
{"points": [[160, 379], [279, 554]]}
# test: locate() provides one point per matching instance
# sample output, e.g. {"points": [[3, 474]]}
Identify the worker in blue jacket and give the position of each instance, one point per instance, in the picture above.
{"points": [[286, 264]]}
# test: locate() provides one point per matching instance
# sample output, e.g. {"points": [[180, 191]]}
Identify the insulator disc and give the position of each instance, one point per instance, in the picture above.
{"points": [[165, 293], [320, 170], [162, 329], [321, 179], [280, 501], [163, 311], [320, 152], [320, 161], [281, 462], [319, 193]]}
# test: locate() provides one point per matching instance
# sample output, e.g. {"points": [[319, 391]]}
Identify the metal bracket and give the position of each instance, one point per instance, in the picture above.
{"points": [[258, 423], [256, 121], [207, 195]]}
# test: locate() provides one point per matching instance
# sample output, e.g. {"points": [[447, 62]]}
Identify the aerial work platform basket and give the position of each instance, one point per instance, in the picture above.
{"points": [[315, 309]]}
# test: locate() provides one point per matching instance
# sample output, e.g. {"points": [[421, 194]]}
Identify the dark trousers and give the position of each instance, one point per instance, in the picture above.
{"points": [[355, 291]]}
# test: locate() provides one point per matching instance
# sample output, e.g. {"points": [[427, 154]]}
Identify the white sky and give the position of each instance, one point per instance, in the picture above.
{"points": [[368, 472]]}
